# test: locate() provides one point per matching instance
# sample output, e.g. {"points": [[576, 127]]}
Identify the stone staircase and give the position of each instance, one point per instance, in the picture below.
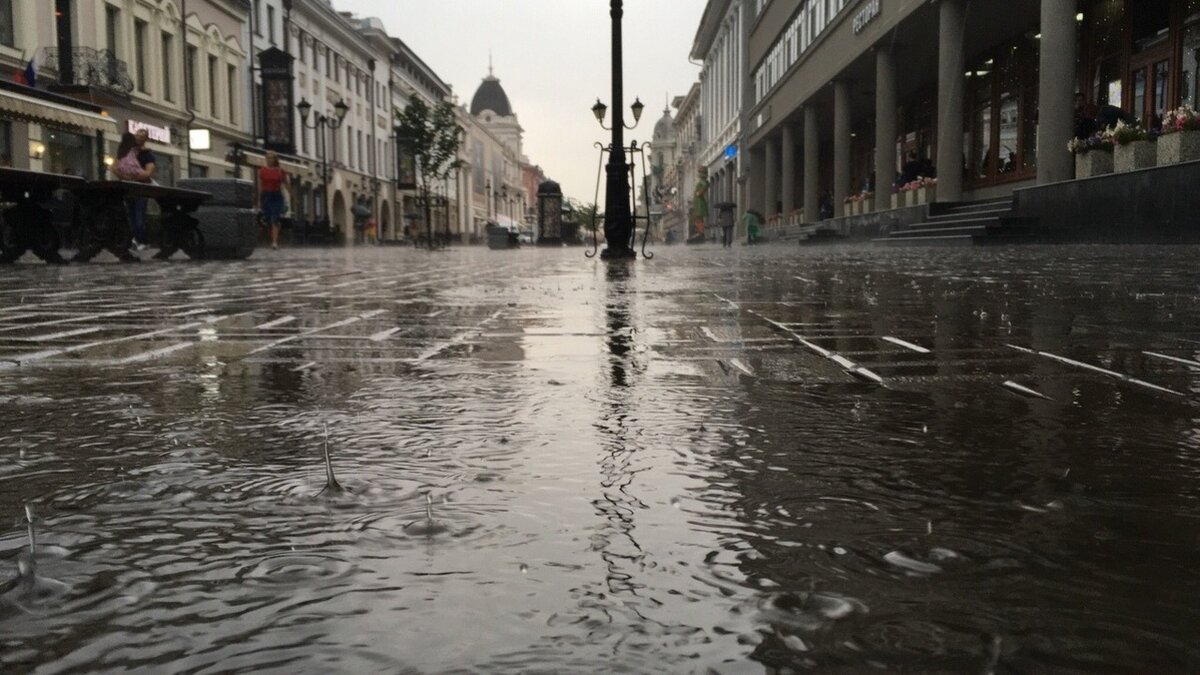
{"points": [[988, 221]]}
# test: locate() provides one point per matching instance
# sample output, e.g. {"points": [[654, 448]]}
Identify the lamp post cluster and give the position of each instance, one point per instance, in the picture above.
{"points": [[618, 214], [320, 124]]}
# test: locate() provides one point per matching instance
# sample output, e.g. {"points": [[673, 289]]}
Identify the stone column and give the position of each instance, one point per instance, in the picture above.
{"points": [[951, 92], [812, 165], [771, 176], [885, 128], [1056, 91], [841, 146], [788, 174]]}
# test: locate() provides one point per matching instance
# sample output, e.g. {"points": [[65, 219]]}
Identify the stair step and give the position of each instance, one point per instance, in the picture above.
{"points": [[930, 225], [971, 230], [945, 240], [961, 214]]}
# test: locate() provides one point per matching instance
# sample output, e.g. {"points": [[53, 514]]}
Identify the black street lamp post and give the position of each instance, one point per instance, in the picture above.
{"points": [[618, 215], [319, 124]]}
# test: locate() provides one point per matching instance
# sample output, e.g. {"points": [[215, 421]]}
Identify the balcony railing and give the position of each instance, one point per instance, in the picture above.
{"points": [[84, 66]]}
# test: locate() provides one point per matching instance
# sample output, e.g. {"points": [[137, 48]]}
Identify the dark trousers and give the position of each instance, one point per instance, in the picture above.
{"points": [[727, 236]]}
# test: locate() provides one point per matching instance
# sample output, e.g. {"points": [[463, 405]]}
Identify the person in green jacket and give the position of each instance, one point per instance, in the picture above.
{"points": [[753, 222]]}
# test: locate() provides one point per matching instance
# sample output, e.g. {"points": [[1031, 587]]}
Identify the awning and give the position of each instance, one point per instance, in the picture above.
{"points": [[291, 167], [29, 109]]}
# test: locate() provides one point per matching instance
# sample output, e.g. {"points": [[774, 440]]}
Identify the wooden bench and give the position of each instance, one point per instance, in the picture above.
{"points": [[28, 224], [107, 223]]}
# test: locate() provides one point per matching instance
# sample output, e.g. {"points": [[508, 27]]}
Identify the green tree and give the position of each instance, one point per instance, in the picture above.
{"points": [[587, 215], [431, 136]]}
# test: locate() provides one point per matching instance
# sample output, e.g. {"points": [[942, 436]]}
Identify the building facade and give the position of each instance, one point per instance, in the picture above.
{"points": [[720, 44], [845, 93], [492, 162]]}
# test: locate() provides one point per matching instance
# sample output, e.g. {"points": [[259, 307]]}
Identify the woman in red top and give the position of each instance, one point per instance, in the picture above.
{"points": [[271, 180]]}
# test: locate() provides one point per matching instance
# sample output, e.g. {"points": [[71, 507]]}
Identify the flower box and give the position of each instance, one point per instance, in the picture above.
{"points": [[926, 195], [897, 200], [1133, 156], [1094, 163], [1180, 146]]}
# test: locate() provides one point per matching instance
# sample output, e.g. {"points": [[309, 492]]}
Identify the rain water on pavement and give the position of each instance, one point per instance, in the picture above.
{"points": [[836, 459]]}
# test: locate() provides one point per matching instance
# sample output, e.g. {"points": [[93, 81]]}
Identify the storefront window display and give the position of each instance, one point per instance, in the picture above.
{"points": [[1002, 119], [70, 153]]}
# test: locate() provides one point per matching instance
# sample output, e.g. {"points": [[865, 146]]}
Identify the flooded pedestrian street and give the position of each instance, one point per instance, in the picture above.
{"points": [[768, 459]]}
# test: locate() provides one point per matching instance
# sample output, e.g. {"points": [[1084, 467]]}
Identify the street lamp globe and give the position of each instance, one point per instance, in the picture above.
{"points": [[637, 108], [341, 108], [304, 107], [599, 111]]}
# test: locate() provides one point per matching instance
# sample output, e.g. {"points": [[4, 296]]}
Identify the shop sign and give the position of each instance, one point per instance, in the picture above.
{"points": [[156, 134], [868, 13]]}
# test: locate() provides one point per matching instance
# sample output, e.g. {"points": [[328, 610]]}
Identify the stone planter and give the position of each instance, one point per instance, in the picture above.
{"points": [[1133, 156], [897, 200], [1094, 163], [926, 195], [910, 197], [1181, 146], [866, 206]]}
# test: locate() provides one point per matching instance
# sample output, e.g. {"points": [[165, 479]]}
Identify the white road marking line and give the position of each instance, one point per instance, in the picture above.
{"points": [[908, 345], [849, 366], [807, 281], [304, 367], [63, 334], [433, 314], [737, 363], [1103, 371], [319, 329], [1025, 391], [1176, 359], [384, 334], [709, 334], [727, 301], [23, 359], [277, 322], [457, 339], [150, 355]]}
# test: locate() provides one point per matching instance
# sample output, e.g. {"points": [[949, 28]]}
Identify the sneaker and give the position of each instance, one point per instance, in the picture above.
{"points": [[137, 245], [141, 247], [274, 247]]}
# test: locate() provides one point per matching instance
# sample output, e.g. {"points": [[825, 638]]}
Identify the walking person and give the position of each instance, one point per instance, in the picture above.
{"points": [[135, 162], [271, 179], [700, 204], [753, 222]]}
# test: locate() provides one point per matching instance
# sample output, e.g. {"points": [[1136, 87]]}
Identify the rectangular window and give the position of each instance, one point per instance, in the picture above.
{"points": [[271, 23], [168, 58], [112, 32], [213, 108], [6, 154], [258, 17], [190, 73], [300, 40], [231, 86], [140, 28], [7, 32]]}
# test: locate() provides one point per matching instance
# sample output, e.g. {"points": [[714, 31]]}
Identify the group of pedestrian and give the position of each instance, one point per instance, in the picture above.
{"points": [[136, 162]]}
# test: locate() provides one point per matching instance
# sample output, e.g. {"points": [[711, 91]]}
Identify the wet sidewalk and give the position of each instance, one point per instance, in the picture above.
{"points": [[826, 458]]}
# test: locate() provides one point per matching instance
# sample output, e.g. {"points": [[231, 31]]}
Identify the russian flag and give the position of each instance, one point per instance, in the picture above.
{"points": [[27, 77]]}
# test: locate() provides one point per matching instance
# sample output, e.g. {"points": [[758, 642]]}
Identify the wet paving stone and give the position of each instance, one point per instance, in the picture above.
{"points": [[779, 458]]}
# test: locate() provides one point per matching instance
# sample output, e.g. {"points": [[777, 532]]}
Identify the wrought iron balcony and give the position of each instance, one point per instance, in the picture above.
{"points": [[87, 67]]}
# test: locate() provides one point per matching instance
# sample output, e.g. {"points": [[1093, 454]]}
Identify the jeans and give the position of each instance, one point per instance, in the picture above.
{"points": [[137, 218]]}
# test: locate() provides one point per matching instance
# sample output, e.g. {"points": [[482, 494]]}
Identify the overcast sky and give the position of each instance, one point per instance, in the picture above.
{"points": [[553, 60]]}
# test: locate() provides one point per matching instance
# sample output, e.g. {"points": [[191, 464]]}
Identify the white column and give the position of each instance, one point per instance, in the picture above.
{"points": [[951, 85], [1056, 90]]}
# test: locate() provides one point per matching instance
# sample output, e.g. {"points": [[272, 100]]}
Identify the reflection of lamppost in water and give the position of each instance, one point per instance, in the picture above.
{"points": [[320, 123], [618, 216]]}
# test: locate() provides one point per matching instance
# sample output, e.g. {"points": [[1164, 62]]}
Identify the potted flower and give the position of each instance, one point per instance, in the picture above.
{"points": [[1134, 149], [850, 207], [1093, 155], [866, 203], [926, 190], [1180, 139]]}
